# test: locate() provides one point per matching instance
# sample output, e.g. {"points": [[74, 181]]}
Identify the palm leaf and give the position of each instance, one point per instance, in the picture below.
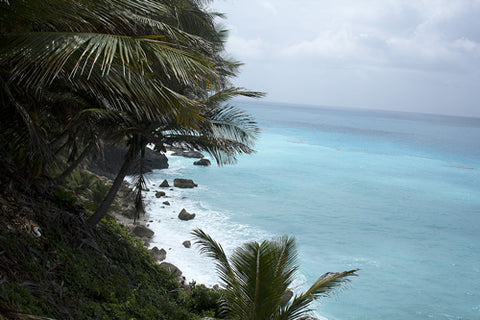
{"points": [[213, 249], [227, 94], [40, 58], [323, 287]]}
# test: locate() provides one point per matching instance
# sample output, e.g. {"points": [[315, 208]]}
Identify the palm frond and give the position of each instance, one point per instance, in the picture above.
{"points": [[229, 122], [214, 250], [227, 94], [40, 58], [327, 283]]}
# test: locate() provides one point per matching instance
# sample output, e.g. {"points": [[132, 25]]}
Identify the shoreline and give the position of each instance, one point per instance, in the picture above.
{"points": [[144, 228]]}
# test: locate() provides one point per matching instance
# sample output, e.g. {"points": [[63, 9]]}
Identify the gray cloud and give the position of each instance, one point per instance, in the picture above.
{"points": [[422, 54]]}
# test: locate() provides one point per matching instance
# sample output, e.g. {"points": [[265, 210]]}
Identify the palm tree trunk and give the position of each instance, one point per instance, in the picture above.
{"points": [[61, 178], [105, 205]]}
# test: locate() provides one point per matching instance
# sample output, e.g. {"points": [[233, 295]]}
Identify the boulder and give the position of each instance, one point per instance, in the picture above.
{"points": [[166, 203], [203, 162], [159, 194], [164, 184], [184, 183], [158, 254], [142, 232], [287, 296], [187, 244], [111, 161], [172, 268], [185, 216]]}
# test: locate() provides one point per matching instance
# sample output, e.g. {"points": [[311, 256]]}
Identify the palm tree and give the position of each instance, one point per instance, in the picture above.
{"points": [[124, 55], [155, 64], [257, 276], [224, 132]]}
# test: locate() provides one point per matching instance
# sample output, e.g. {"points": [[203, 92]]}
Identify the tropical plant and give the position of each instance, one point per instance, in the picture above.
{"points": [[125, 55], [225, 132], [257, 277], [146, 67]]}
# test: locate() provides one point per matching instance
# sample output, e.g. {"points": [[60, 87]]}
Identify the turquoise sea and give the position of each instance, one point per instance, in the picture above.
{"points": [[394, 194]]}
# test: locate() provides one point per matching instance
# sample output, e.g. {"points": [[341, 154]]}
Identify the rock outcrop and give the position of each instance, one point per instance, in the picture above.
{"points": [[112, 161], [142, 232], [184, 183], [172, 268], [203, 162], [164, 184], [158, 254], [160, 194], [187, 244], [185, 215], [287, 296]]}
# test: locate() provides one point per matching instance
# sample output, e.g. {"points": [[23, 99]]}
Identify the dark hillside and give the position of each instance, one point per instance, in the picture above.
{"points": [[52, 265]]}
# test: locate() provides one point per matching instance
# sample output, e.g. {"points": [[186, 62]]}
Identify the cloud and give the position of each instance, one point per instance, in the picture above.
{"points": [[419, 35], [269, 6], [411, 50], [246, 49]]}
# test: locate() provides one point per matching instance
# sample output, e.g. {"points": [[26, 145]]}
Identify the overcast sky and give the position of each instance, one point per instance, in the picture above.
{"points": [[411, 55]]}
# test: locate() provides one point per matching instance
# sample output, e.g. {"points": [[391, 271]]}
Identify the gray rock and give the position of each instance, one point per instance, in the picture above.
{"points": [[185, 216], [164, 184], [187, 244], [287, 296], [172, 268], [203, 162], [184, 183], [158, 254], [142, 231], [110, 163], [166, 203], [159, 194]]}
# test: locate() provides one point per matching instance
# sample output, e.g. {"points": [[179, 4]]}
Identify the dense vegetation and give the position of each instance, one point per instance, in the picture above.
{"points": [[130, 72], [55, 268]]}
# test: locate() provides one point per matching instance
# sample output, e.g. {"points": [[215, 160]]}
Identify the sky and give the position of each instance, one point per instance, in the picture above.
{"points": [[406, 55]]}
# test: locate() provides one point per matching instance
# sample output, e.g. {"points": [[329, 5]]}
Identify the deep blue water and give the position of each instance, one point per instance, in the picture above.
{"points": [[394, 194]]}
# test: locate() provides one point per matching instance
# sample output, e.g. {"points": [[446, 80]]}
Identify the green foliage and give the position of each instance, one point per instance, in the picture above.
{"points": [[203, 300], [81, 181], [65, 198], [107, 276], [257, 276], [88, 187]]}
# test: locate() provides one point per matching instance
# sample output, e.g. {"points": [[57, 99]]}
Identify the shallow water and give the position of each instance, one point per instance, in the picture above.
{"points": [[394, 194]]}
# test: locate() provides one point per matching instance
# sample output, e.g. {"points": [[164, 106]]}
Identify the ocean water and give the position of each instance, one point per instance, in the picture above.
{"points": [[394, 194]]}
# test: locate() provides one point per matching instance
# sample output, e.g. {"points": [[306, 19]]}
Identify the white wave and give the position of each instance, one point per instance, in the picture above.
{"points": [[171, 232]]}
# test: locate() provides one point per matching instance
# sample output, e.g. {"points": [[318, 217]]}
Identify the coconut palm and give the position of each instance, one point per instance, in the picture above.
{"points": [[257, 276], [124, 55], [224, 132], [151, 65]]}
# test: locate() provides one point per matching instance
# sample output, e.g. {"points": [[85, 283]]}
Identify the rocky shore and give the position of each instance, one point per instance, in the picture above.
{"points": [[123, 208]]}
